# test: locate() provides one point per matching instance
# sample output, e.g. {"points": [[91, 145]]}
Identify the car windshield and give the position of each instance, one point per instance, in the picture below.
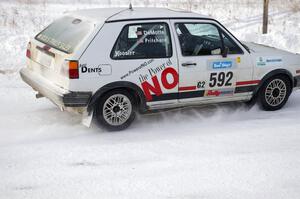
{"points": [[65, 33]]}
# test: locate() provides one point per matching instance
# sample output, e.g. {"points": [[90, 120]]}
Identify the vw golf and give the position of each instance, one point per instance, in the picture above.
{"points": [[113, 63]]}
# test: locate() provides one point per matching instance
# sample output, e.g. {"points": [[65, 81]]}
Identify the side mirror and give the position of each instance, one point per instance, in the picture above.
{"points": [[225, 52]]}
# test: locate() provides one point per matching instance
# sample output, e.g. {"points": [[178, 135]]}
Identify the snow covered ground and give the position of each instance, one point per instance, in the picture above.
{"points": [[214, 152]]}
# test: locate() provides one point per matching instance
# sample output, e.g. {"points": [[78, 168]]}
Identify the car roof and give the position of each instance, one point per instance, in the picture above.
{"points": [[124, 14]]}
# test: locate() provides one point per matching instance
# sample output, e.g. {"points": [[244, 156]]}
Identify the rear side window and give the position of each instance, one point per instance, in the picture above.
{"points": [[138, 41], [65, 33]]}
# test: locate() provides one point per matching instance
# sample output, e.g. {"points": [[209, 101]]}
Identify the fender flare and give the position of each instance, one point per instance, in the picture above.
{"points": [[271, 74], [120, 84]]}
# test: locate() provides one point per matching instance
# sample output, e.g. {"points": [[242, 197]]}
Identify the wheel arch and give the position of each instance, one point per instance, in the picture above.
{"points": [[273, 73], [132, 88]]}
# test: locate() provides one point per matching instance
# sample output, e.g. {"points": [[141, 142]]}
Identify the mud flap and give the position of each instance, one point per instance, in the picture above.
{"points": [[87, 118]]}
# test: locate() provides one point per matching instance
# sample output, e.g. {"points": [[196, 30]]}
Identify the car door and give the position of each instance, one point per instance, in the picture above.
{"points": [[143, 54], [212, 64]]}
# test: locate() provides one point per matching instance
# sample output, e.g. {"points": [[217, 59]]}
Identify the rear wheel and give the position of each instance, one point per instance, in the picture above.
{"points": [[115, 110], [274, 93]]}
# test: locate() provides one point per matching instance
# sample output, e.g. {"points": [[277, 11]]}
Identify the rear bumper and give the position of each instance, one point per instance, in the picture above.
{"points": [[59, 96]]}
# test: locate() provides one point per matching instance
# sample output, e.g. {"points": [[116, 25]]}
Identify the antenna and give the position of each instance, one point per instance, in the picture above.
{"points": [[130, 7]]}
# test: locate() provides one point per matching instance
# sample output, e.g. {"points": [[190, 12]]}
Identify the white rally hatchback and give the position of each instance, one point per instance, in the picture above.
{"points": [[113, 63]]}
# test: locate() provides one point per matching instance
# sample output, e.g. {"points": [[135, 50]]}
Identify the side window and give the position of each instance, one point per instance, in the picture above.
{"points": [[198, 39], [231, 45], [148, 40]]}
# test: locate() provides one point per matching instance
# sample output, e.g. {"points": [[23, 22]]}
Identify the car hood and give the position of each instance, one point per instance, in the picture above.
{"points": [[264, 52], [264, 49]]}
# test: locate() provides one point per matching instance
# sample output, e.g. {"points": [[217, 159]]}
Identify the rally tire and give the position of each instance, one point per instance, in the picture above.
{"points": [[274, 93], [115, 110]]}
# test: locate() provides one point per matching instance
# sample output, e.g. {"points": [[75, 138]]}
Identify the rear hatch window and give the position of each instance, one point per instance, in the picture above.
{"points": [[66, 33]]}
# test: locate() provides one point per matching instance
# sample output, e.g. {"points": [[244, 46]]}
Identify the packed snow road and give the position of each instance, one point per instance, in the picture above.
{"points": [[214, 152]]}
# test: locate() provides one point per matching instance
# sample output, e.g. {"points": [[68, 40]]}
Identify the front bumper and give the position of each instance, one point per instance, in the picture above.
{"points": [[61, 97]]}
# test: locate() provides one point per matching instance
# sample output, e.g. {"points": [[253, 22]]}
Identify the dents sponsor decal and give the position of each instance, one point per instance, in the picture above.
{"points": [[268, 61], [85, 69], [221, 64], [219, 93], [102, 69], [238, 60]]}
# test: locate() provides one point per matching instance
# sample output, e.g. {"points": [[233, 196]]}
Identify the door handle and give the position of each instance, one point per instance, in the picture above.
{"points": [[188, 64]]}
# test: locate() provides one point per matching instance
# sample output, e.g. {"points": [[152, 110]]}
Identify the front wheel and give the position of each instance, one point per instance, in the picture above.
{"points": [[115, 110], [274, 93]]}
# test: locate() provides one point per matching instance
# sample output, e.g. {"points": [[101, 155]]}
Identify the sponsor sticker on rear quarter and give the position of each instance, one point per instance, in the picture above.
{"points": [[95, 71]]}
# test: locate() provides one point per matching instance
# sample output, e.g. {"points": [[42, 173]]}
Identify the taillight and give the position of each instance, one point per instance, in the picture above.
{"points": [[73, 70], [28, 52]]}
